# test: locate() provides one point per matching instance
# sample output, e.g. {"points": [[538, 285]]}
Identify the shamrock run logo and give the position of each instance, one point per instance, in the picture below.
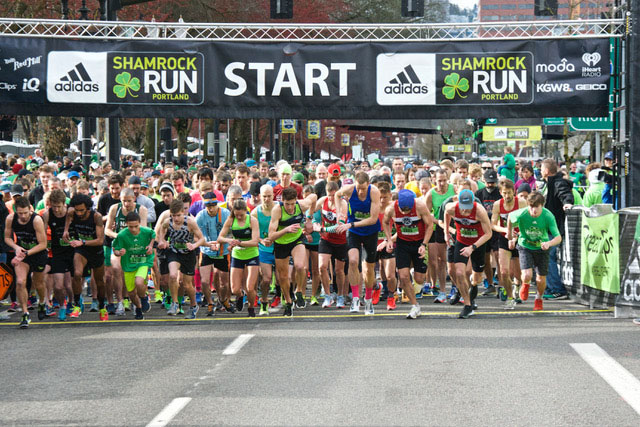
{"points": [[454, 85], [126, 85]]}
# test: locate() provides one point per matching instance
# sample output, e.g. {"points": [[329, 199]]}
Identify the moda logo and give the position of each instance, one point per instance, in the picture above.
{"points": [[77, 77], [406, 79], [562, 67], [77, 80], [591, 59]]}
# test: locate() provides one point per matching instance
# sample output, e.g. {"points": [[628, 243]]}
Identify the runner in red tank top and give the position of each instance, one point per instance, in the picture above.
{"points": [[414, 228], [508, 259], [473, 230], [332, 245]]}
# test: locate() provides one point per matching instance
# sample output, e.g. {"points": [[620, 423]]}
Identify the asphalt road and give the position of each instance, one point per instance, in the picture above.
{"points": [[322, 369]]}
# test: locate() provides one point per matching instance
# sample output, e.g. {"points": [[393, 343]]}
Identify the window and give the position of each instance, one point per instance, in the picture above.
{"points": [[508, 6], [525, 6], [492, 18], [491, 7]]}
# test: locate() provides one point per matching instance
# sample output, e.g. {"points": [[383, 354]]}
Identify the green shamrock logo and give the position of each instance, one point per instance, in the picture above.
{"points": [[455, 85], [126, 85]]}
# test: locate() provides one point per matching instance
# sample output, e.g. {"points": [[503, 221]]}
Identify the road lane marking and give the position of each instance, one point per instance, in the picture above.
{"points": [[237, 344], [170, 411], [621, 380]]}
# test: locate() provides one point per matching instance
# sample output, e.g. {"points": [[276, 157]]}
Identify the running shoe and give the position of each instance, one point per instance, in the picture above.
{"points": [[368, 307], [636, 321], [13, 307], [127, 304], [466, 312], [524, 291], [173, 310], [139, 315], [198, 298], [414, 313], [510, 304], [328, 301], [489, 289], [144, 302], [111, 309], [355, 305], [455, 298], [537, 304], [210, 310], [94, 306], [229, 307], [503, 294], [557, 296], [264, 309], [391, 302], [193, 311], [104, 314], [180, 309], [75, 312], [251, 311], [427, 290], [70, 308], [340, 303], [314, 301], [120, 309], [62, 314], [288, 310], [276, 303], [49, 311], [55, 303], [158, 295], [167, 302], [441, 298], [300, 302], [452, 292], [375, 298], [239, 303], [24, 323], [405, 298]]}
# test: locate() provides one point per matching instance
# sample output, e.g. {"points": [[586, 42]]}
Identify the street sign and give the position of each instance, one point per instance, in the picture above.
{"points": [[520, 133], [457, 148], [288, 126], [553, 121], [313, 129], [330, 134], [591, 123], [346, 138]]}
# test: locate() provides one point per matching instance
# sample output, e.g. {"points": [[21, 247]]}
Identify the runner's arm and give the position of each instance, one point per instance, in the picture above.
{"points": [[449, 211], [111, 221], [481, 214], [386, 222], [225, 231], [144, 213], [8, 234], [425, 213], [193, 227], [495, 219], [99, 240], [338, 197], [41, 235], [67, 223]]}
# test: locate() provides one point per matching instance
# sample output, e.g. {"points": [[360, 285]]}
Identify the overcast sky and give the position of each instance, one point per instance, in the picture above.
{"points": [[466, 4]]}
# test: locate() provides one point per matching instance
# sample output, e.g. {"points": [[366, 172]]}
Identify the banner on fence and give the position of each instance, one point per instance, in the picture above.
{"points": [[600, 264]]}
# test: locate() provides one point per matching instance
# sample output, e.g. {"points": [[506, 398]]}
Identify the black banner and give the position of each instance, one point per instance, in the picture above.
{"points": [[274, 80]]}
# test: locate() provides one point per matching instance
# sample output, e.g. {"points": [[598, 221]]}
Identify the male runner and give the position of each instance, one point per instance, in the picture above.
{"points": [[285, 230], [30, 247], [488, 196], [262, 214], [363, 225], [85, 226], [473, 230], [414, 228], [437, 245], [134, 246], [387, 259]]}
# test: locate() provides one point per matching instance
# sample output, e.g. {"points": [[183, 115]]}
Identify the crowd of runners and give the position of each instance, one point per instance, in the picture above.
{"points": [[195, 241]]}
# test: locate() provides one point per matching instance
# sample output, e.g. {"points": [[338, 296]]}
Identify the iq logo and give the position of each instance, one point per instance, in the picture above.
{"points": [[77, 77], [406, 79]]}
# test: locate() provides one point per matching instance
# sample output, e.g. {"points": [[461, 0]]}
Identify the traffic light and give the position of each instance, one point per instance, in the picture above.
{"points": [[412, 8], [281, 9], [545, 8]]}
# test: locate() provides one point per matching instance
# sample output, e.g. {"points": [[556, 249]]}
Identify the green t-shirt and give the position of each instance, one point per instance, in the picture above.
{"points": [[136, 248], [593, 196], [534, 231], [41, 206]]}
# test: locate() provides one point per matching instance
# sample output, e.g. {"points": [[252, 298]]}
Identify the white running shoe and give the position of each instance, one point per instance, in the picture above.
{"points": [[414, 313], [510, 304], [328, 301], [120, 309], [368, 307], [355, 305]]}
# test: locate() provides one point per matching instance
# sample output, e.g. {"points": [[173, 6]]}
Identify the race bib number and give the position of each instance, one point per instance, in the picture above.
{"points": [[408, 231], [469, 232]]}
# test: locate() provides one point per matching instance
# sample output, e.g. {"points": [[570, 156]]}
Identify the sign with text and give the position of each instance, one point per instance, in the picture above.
{"points": [[518, 133]]}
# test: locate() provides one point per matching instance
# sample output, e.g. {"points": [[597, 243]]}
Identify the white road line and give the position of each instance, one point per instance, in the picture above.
{"points": [[237, 344], [622, 381], [170, 411]]}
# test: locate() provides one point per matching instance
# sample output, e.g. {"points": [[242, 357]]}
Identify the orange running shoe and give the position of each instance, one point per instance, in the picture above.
{"points": [[524, 291], [391, 302], [375, 299], [537, 304], [104, 315]]}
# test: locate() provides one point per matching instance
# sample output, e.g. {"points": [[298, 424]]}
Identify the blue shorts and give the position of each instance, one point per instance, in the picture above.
{"points": [[242, 263], [267, 257]]}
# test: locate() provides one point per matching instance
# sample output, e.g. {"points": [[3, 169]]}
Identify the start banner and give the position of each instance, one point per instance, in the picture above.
{"points": [[182, 78]]}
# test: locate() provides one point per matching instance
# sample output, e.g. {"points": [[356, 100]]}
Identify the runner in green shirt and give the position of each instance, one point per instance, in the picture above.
{"points": [[536, 223], [134, 245]]}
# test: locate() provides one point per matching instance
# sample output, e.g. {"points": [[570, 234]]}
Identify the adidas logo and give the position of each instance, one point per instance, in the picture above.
{"points": [[77, 80], [406, 82]]}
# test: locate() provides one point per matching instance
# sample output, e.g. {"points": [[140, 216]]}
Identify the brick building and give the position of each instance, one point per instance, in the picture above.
{"points": [[523, 10]]}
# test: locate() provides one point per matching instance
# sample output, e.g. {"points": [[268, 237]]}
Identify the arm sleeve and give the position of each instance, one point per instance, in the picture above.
{"points": [[563, 192], [151, 211]]}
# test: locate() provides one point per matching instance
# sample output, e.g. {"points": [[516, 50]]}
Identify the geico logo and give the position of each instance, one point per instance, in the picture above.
{"points": [[594, 86], [77, 87], [7, 86], [406, 89], [553, 87], [562, 67], [631, 290]]}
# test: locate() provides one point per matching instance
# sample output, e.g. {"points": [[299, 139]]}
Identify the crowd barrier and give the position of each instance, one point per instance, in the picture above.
{"points": [[600, 258]]}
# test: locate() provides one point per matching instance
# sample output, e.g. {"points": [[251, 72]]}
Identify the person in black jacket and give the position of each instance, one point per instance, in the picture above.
{"points": [[559, 198]]}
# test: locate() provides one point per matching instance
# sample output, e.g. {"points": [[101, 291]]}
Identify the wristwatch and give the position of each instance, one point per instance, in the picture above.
{"points": [[474, 246], [84, 242]]}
